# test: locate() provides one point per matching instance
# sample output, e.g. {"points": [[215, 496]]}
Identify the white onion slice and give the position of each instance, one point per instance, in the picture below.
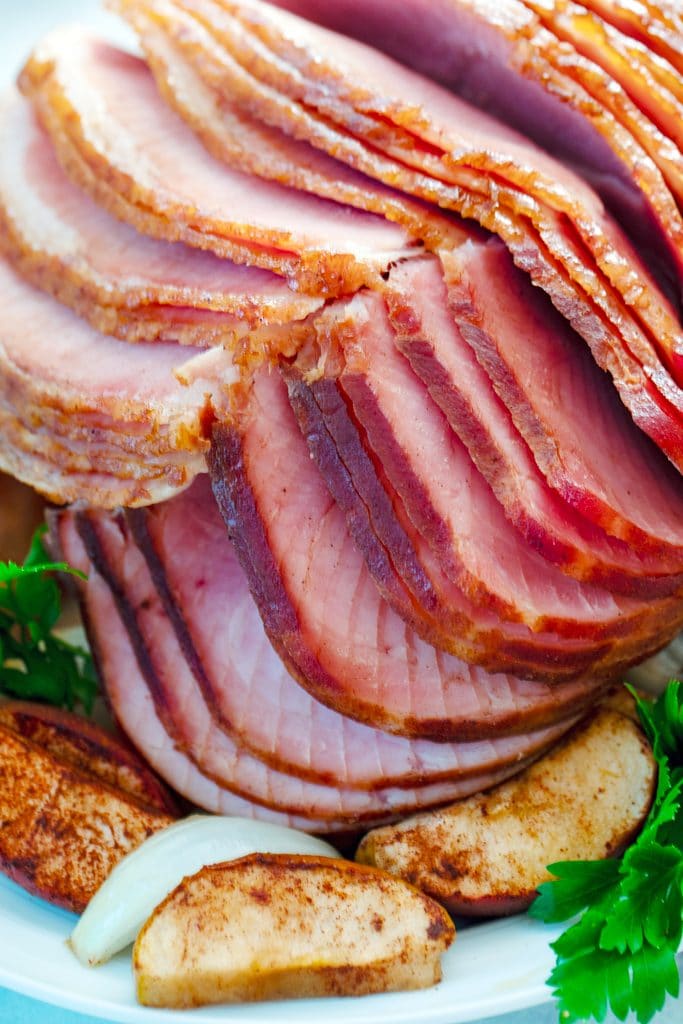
{"points": [[120, 907]]}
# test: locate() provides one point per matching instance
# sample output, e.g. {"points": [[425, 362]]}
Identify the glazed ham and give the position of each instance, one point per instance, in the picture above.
{"points": [[133, 287], [128, 162], [432, 536]]}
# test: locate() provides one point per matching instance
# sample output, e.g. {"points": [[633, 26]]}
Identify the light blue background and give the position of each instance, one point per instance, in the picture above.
{"points": [[16, 1009]]}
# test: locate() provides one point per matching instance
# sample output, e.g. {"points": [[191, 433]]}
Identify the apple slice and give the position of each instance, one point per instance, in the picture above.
{"points": [[278, 926]]}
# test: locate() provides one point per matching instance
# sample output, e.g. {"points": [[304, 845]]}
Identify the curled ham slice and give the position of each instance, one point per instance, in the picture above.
{"points": [[321, 608], [427, 334], [563, 405], [125, 284], [539, 239], [84, 416], [126, 156], [657, 26]]}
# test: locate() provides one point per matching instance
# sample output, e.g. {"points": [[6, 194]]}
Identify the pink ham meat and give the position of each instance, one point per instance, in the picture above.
{"points": [[560, 403], [234, 136], [125, 284], [544, 248], [127, 158], [131, 701], [426, 333], [453, 509], [86, 417], [322, 610], [252, 697], [527, 77]]}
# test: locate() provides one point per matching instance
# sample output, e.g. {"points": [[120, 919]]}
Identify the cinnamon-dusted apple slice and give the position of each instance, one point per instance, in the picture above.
{"points": [[488, 854], [62, 830], [284, 926], [84, 745]]}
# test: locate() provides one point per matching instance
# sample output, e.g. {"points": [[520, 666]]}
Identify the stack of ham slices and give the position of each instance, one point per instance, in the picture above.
{"points": [[360, 390]]}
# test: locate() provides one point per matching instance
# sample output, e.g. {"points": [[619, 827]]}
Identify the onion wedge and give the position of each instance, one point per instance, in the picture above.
{"points": [[120, 907]]}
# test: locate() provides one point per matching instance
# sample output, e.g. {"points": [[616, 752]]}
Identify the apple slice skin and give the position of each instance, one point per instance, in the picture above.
{"points": [[486, 855], [281, 926]]}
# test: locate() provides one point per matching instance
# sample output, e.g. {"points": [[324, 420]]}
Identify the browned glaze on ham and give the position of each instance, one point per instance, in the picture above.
{"points": [[127, 159], [438, 133], [136, 288], [173, 42], [543, 87], [87, 417], [543, 248], [578, 431], [426, 332], [319, 603], [657, 26]]}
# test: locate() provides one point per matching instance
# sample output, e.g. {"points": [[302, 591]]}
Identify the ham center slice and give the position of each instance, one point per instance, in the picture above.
{"points": [[126, 155]]}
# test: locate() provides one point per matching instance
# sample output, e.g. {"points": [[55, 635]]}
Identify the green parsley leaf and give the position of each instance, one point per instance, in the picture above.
{"points": [[35, 664], [620, 951]]}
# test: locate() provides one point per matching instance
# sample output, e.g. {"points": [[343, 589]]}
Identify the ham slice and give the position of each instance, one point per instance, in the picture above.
{"points": [[426, 333], [651, 82], [499, 56], [252, 697], [563, 405], [126, 157], [321, 608], [125, 284], [173, 42], [451, 506], [438, 133], [548, 253], [86, 417]]}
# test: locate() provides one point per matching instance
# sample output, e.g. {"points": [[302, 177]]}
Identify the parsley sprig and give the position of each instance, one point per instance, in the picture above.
{"points": [[620, 953], [34, 663]]}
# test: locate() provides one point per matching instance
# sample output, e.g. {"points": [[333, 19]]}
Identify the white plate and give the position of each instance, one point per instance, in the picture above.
{"points": [[491, 969]]}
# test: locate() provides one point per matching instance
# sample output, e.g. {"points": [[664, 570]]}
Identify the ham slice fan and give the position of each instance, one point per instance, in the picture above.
{"points": [[354, 366]]}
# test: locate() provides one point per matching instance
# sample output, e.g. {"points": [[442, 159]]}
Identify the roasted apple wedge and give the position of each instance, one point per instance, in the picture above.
{"points": [[486, 855], [62, 829], [273, 926], [83, 744]]}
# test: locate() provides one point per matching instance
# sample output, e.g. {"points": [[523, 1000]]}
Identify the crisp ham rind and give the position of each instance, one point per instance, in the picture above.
{"points": [[87, 417], [126, 157]]}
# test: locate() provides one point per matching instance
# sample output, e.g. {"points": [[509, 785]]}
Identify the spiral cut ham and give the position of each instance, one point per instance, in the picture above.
{"points": [[347, 100], [126, 285], [360, 387], [126, 157]]}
